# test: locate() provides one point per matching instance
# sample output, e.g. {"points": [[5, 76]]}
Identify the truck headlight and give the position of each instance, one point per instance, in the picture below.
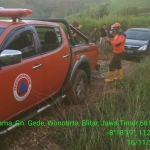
{"points": [[144, 47]]}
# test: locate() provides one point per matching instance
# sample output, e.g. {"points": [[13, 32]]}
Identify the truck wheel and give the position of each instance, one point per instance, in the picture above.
{"points": [[78, 91]]}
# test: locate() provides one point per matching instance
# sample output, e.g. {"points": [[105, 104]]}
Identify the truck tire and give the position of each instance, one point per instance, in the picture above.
{"points": [[78, 91]]}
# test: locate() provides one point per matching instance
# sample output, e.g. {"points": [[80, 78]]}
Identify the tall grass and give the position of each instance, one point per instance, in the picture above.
{"points": [[129, 103], [126, 22]]}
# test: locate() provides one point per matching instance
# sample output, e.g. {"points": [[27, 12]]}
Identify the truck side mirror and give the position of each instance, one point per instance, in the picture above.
{"points": [[9, 57]]}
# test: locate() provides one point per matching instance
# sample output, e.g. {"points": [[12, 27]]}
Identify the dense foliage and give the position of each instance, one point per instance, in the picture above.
{"points": [[50, 8], [64, 8]]}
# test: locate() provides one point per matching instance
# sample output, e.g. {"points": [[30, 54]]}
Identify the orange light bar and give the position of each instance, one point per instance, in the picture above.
{"points": [[15, 12]]}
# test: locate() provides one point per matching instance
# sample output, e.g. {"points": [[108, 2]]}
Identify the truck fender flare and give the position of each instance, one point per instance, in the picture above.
{"points": [[83, 60]]}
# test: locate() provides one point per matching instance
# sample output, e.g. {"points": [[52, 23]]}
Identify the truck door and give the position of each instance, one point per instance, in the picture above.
{"points": [[56, 57], [22, 84]]}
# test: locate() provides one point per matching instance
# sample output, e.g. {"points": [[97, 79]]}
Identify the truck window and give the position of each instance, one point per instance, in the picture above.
{"points": [[50, 38], [24, 42]]}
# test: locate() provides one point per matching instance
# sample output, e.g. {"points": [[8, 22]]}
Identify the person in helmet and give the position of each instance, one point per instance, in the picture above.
{"points": [[118, 48]]}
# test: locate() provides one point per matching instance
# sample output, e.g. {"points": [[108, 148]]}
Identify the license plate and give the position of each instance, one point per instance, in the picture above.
{"points": [[129, 51]]}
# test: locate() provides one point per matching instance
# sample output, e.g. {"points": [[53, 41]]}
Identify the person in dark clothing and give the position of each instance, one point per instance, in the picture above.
{"points": [[118, 48], [103, 34], [93, 35]]}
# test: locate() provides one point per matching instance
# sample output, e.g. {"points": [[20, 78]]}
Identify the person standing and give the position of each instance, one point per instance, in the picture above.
{"points": [[103, 34], [76, 25], [93, 35], [118, 48]]}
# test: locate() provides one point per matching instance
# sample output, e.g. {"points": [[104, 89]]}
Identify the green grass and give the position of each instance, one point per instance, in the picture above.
{"points": [[129, 103], [126, 22], [116, 5]]}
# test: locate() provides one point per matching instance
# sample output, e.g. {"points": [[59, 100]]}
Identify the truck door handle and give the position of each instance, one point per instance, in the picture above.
{"points": [[38, 66], [65, 56]]}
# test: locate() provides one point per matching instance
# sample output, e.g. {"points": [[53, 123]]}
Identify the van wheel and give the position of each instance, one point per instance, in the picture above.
{"points": [[78, 91]]}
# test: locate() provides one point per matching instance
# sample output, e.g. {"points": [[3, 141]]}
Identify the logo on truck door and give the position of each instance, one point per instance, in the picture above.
{"points": [[22, 87]]}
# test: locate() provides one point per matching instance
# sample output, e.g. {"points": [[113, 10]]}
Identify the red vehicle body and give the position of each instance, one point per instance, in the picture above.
{"points": [[37, 62]]}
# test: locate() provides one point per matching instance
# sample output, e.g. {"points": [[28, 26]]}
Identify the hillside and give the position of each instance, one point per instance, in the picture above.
{"points": [[64, 8], [39, 8], [115, 5], [50, 8]]}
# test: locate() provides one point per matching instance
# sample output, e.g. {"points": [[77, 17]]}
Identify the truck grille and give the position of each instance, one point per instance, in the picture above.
{"points": [[128, 47]]}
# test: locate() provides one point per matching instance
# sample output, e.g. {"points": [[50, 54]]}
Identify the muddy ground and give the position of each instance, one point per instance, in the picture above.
{"points": [[38, 138]]}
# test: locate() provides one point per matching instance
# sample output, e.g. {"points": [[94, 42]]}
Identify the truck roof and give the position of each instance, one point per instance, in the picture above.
{"points": [[40, 22], [7, 23], [16, 15]]}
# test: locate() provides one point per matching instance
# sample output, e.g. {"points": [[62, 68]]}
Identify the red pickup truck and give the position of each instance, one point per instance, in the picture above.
{"points": [[38, 62]]}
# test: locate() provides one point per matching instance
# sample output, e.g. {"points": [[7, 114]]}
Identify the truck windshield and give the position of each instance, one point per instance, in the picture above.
{"points": [[137, 35], [1, 30]]}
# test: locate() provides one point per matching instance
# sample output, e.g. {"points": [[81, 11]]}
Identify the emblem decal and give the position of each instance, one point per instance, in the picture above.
{"points": [[22, 87]]}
